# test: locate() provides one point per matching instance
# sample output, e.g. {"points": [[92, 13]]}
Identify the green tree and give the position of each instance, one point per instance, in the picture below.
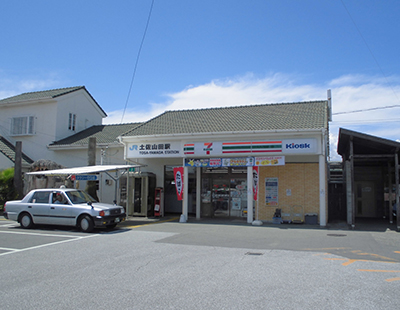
{"points": [[7, 189]]}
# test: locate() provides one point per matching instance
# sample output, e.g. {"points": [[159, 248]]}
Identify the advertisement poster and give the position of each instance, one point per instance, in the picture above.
{"points": [[271, 191], [178, 174], [255, 182], [203, 162], [238, 162], [270, 161]]}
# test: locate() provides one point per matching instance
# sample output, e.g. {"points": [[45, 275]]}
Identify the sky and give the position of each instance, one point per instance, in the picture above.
{"points": [[139, 58]]}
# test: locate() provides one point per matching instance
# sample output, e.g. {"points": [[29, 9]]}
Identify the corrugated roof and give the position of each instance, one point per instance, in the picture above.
{"points": [[8, 150], [104, 134], [47, 94], [283, 116]]}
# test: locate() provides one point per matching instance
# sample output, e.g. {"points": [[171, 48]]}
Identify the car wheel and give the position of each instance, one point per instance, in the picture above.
{"points": [[86, 223], [26, 221]]}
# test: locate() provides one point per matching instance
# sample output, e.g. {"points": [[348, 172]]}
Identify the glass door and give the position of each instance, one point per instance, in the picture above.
{"points": [[220, 196], [238, 196]]}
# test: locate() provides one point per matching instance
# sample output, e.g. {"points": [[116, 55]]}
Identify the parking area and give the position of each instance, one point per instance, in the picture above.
{"points": [[15, 239], [199, 265]]}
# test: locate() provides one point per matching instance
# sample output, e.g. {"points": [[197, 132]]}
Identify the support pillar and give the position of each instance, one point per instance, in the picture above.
{"points": [[198, 192], [322, 190], [396, 163], [250, 215], [185, 202]]}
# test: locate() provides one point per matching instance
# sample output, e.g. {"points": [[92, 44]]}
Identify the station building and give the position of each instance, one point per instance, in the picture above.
{"points": [[247, 162]]}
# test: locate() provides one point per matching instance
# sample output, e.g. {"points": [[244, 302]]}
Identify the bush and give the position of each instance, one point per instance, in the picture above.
{"points": [[7, 189]]}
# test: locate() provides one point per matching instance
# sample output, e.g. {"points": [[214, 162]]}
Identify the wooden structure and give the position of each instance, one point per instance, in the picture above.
{"points": [[371, 173]]}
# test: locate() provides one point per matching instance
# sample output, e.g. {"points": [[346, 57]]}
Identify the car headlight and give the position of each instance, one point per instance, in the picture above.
{"points": [[104, 213], [122, 210]]}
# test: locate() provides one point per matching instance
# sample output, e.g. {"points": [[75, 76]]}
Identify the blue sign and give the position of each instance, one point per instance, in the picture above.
{"points": [[86, 177]]}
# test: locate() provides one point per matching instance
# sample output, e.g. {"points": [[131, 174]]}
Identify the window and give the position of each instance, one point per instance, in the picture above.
{"points": [[40, 197], [72, 121], [22, 125]]}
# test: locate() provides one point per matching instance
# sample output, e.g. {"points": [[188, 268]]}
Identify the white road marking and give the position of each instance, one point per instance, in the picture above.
{"points": [[38, 234], [8, 225], [71, 238]]}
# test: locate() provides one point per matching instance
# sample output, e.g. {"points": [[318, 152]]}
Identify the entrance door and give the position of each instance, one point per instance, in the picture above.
{"points": [[238, 196], [365, 199], [229, 196], [137, 197], [220, 197]]}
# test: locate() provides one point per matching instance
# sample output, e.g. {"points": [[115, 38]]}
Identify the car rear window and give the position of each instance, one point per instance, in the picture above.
{"points": [[40, 197]]}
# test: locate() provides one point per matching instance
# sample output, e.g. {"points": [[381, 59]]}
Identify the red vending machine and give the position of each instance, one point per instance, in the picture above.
{"points": [[158, 202]]}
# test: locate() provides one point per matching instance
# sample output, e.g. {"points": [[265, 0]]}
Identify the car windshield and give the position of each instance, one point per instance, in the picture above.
{"points": [[79, 197]]}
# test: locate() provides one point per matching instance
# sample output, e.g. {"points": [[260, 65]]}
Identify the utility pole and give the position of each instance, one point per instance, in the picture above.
{"points": [[91, 186], [18, 169]]}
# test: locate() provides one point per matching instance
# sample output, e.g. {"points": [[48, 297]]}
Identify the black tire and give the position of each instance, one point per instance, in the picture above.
{"points": [[85, 223], [25, 221]]}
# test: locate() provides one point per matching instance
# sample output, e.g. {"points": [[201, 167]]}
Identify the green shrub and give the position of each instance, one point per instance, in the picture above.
{"points": [[7, 189]]}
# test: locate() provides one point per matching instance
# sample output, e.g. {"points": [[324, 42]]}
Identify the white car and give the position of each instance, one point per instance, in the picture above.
{"points": [[64, 206]]}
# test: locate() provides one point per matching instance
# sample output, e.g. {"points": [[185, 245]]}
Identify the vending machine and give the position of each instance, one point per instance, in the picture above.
{"points": [[158, 202]]}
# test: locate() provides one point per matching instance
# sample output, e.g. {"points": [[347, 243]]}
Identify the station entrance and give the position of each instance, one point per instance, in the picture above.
{"points": [[224, 192]]}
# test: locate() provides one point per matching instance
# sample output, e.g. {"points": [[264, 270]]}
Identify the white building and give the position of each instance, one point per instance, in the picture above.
{"points": [[38, 119], [220, 150]]}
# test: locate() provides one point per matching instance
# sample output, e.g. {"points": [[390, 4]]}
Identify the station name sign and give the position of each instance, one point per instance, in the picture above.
{"points": [[224, 149], [155, 149]]}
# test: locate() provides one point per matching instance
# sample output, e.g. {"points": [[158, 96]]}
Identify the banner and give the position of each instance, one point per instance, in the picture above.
{"points": [[178, 174], [270, 161], [255, 182]]}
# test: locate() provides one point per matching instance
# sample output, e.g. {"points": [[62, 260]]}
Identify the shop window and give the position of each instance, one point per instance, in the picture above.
{"points": [[239, 170], [215, 170]]}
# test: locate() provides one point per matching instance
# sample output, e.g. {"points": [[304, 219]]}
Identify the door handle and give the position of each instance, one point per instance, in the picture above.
{"points": [[52, 208], [29, 206]]}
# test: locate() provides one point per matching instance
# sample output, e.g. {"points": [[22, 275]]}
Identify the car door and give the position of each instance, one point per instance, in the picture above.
{"points": [[39, 207], [60, 210]]}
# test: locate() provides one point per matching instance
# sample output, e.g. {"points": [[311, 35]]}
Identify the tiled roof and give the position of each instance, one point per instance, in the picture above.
{"points": [[283, 116], [46, 94], [104, 134], [8, 150]]}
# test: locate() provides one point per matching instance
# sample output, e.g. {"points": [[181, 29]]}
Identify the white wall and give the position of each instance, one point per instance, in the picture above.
{"points": [[86, 111], [44, 126], [51, 124]]}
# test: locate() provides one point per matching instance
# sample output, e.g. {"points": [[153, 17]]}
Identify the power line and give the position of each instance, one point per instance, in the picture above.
{"points": [[370, 109], [370, 51], [137, 59]]}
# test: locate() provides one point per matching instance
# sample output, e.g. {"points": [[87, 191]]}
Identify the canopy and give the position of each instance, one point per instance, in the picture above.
{"points": [[85, 170]]}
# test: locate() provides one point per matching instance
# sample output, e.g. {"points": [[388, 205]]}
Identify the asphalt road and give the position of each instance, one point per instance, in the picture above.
{"points": [[198, 265]]}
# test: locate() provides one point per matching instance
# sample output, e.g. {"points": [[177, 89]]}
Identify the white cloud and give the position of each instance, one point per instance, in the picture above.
{"points": [[349, 93], [11, 86]]}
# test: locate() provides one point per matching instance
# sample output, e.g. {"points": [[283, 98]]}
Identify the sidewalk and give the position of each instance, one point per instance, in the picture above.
{"points": [[378, 225]]}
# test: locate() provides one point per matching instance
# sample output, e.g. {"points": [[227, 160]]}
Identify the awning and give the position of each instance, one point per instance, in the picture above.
{"points": [[86, 170]]}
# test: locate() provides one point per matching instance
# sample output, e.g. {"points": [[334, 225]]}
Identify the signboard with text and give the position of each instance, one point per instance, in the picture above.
{"points": [[154, 149]]}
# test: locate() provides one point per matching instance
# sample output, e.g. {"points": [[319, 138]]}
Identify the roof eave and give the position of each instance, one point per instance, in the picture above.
{"points": [[179, 136]]}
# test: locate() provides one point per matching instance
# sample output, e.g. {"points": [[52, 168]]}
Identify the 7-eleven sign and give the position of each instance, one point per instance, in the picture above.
{"points": [[208, 147]]}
